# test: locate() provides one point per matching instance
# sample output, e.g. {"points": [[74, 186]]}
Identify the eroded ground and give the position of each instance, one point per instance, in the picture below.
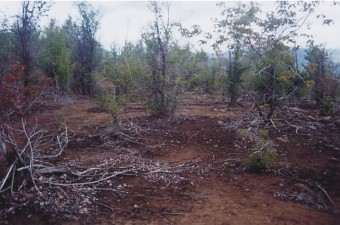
{"points": [[185, 169]]}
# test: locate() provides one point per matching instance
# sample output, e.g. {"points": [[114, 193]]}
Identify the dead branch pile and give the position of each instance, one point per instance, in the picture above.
{"points": [[25, 159], [298, 122], [38, 179]]}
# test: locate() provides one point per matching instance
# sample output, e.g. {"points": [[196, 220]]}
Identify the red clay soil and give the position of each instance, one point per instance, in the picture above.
{"points": [[211, 183]]}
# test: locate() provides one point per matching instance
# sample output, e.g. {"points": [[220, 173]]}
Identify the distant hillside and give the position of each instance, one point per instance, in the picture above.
{"points": [[335, 54]]}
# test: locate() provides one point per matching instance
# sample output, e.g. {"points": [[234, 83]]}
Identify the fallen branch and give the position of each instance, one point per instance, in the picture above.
{"points": [[91, 182], [23, 159], [329, 198], [106, 206], [172, 213]]}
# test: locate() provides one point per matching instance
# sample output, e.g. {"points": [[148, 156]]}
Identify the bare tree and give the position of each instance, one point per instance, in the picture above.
{"points": [[158, 39], [25, 31]]}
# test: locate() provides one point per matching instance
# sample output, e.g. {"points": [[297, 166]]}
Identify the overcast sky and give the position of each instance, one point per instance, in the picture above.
{"points": [[126, 20]]}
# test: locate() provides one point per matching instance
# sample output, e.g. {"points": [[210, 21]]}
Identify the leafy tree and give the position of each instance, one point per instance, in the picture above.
{"points": [[320, 69], [274, 82], [57, 56], [132, 68], [120, 76], [268, 48], [204, 73], [125, 67], [71, 36], [86, 48], [188, 66], [234, 29], [5, 48]]}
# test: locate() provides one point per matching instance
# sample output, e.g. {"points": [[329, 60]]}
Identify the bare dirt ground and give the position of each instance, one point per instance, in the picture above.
{"points": [[184, 169]]}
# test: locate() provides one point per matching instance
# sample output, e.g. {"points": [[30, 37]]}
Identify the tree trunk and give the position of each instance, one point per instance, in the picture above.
{"points": [[272, 100]]}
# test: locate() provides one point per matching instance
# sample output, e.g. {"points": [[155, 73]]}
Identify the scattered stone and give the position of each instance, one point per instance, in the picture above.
{"points": [[312, 128], [296, 109], [319, 125], [283, 139], [326, 120], [334, 160], [325, 139], [331, 147], [337, 123], [300, 188], [311, 117]]}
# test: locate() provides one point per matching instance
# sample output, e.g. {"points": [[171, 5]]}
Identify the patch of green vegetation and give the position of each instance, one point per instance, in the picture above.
{"points": [[327, 106], [264, 134], [262, 156], [113, 104]]}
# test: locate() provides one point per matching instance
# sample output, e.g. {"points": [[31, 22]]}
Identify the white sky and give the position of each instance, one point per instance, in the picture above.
{"points": [[126, 20]]}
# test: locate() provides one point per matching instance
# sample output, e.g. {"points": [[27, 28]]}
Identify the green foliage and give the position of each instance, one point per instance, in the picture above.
{"points": [[275, 76], [165, 102], [125, 67], [200, 82], [275, 67], [111, 103], [26, 35], [261, 156], [157, 68], [235, 29], [5, 48], [241, 134], [199, 71], [57, 57], [163, 82], [86, 48], [327, 106], [264, 134], [320, 69], [275, 82]]}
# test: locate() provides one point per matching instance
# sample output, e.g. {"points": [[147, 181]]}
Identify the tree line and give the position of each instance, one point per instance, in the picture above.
{"points": [[255, 57]]}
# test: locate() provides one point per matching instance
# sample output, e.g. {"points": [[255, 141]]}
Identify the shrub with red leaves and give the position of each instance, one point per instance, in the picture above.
{"points": [[15, 98]]}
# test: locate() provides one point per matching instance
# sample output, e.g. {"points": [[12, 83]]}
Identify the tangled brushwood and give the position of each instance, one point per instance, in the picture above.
{"points": [[253, 134], [26, 151], [38, 179]]}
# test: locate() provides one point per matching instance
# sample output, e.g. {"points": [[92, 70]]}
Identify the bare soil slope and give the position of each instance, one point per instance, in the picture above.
{"points": [[184, 169]]}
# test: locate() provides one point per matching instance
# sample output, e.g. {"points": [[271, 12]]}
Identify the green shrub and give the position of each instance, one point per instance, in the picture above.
{"points": [[264, 134], [327, 106], [110, 103], [261, 156], [240, 134]]}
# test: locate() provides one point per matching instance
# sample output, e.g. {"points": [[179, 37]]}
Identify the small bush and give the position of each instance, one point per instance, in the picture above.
{"points": [[240, 135], [110, 103], [262, 156], [327, 106], [264, 134], [15, 97]]}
